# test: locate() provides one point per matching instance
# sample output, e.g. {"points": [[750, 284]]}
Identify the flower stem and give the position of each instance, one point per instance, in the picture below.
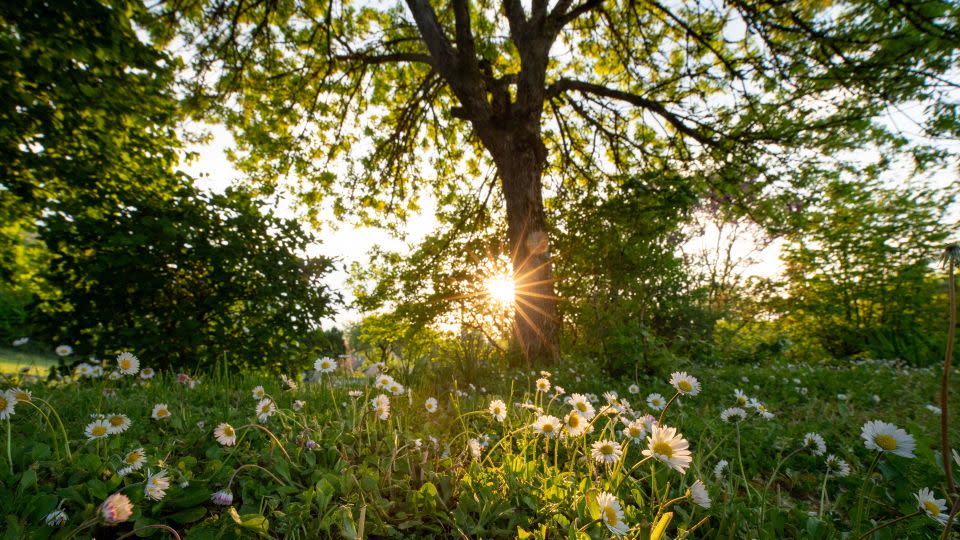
{"points": [[863, 489], [889, 523], [823, 494], [665, 407], [9, 454]]}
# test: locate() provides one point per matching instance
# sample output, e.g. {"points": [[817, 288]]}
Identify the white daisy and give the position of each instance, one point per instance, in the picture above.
{"points": [[606, 452], [84, 369], [635, 430], [298, 405], [733, 414], [837, 466], [21, 341], [56, 518], [64, 350], [265, 409], [668, 446], [115, 376], [498, 409], [133, 461], [384, 380], [259, 392], [559, 391], [611, 514], [20, 395], [935, 508], [118, 423], [288, 382], [656, 402], [98, 429], [156, 485], [583, 406], [886, 437], [7, 403], [815, 442], [634, 389], [741, 398], [395, 388], [543, 385], [128, 364], [147, 373], [160, 411], [222, 498], [225, 434], [381, 405], [475, 448], [698, 492], [325, 365], [934, 409], [547, 425], [610, 396], [430, 405], [719, 468], [684, 383], [575, 424]]}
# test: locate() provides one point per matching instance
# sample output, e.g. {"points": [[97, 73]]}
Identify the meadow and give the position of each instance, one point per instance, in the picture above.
{"points": [[777, 451]]}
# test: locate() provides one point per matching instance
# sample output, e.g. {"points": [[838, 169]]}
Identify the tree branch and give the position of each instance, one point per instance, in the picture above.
{"points": [[387, 58]]}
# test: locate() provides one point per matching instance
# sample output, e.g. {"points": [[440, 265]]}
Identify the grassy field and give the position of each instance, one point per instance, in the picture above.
{"points": [[328, 459], [11, 360]]}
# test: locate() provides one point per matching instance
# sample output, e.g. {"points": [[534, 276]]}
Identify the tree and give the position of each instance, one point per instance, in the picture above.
{"points": [[189, 279], [374, 104]]}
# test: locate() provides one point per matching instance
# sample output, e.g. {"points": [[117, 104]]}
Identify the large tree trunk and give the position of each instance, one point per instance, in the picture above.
{"points": [[520, 158]]}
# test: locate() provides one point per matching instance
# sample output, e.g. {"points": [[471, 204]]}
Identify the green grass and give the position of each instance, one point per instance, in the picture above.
{"points": [[11, 360]]}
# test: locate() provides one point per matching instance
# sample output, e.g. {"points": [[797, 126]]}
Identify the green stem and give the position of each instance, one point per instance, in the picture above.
{"points": [[863, 490], [889, 523], [63, 430], [9, 443], [743, 473], [665, 407], [823, 494]]}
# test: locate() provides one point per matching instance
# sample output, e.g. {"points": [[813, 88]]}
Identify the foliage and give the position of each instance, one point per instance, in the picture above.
{"points": [[188, 279]]}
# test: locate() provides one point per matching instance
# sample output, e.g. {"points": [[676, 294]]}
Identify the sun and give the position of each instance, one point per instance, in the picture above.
{"points": [[500, 289]]}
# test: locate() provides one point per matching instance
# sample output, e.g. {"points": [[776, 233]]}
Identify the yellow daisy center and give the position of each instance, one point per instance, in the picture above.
{"points": [[741, 401], [610, 514], [133, 457], [325, 365], [3, 402], [634, 432], [496, 410], [574, 421], [548, 428], [606, 449], [581, 406], [932, 508], [162, 412], [98, 431], [23, 397], [228, 431], [116, 421], [663, 448], [684, 385], [125, 364], [886, 442]]}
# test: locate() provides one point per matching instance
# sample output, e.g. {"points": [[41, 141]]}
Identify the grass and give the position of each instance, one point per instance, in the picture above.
{"points": [[11, 360], [334, 468]]}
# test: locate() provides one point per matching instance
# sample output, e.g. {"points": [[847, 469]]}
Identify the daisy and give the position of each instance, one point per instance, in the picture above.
{"points": [[115, 376], [498, 409], [634, 389], [719, 468], [128, 364], [20, 395], [606, 452], [225, 434], [395, 388], [885, 437], [298, 405], [259, 392], [611, 514], [635, 431], [84, 369], [384, 381], [156, 485], [64, 350], [610, 396], [668, 446], [814, 441], [656, 402], [160, 411], [7, 403], [727, 415], [118, 423], [934, 409], [133, 461], [325, 365], [288, 382], [583, 406], [543, 385], [147, 373], [475, 448], [558, 391], [265, 409], [431, 405], [685, 384], [116, 508], [547, 425], [96, 372], [20, 341], [698, 492], [761, 409], [355, 393], [935, 508], [837, 466], [56, 518], [741, 398], [98, 429], [575, 424], [222, 498], [381, 404]]}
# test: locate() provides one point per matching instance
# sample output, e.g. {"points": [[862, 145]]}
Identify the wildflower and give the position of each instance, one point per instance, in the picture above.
{"points": [[934, 409], [547, 425], [7, 404], [656, 402], [545, 374], [583, 406], [610, 396], [288, 382], [325, 365], [98, 429], [761, 409], [606, 452], [575, 424], [355, 393], [56, 518], [559, 391], [684, 383], [259, 392], [115, 376], [84, 369], [381, 404], [128, 364], [634, 389], [886, 437], [384, 381], [147, 373], [842, 397], [837, 466], [20, 341], [498, 409], [160, 411], [727, 415], [298, 405], [116, 508], [668, 446], [118, 423], [96, 372], [395, 388], [543, 385], [635, 430], [719, 468], [814, 441], [225, 434], [935, 508], [611, 514], [475, 448], [698, 492], [222, 498], [156, 485], [20, 395], [134, 460], [183, 378], [311, 444], [64, 350], [741, 398], [265, 409]]}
